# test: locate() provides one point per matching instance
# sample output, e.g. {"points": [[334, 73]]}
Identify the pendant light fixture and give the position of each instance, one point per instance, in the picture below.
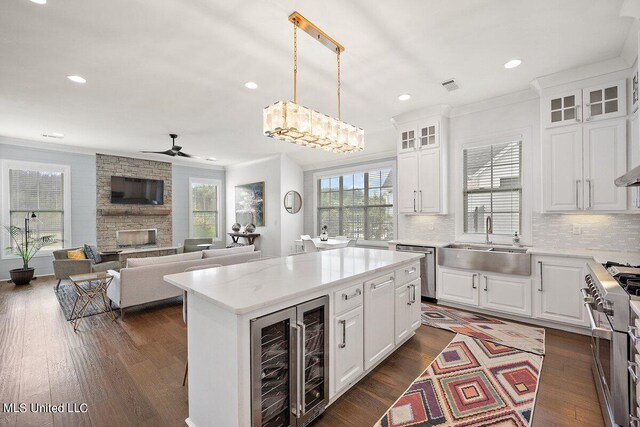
{"points": [[291, 122]]}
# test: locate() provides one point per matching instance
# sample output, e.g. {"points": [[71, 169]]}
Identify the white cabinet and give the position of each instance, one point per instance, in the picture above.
{"points": [[348, 348], [580, 164], [422, 183], [458, 286], [408, 311], [509, 294], [556, 295], [379, 333], [633, 157], [599, 102]]}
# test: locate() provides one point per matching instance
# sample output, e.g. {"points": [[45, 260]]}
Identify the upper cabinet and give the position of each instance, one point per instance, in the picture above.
{"points": [[599, 102], [422, 172]]}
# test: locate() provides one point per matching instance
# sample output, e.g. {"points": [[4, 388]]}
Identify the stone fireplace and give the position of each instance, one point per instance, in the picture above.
{"points": [[111, 218], [145, 238]]}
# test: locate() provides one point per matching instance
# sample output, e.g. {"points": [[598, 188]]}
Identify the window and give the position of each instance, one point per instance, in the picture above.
{"points": [[39, 188], [204, 205], [493, 187], [357, 205]]}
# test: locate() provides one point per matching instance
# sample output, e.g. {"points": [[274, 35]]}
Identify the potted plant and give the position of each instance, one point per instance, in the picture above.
{"points": [[25, 246]]}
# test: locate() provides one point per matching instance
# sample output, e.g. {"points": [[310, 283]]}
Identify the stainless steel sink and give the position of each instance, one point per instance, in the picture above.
{"points": [[497, 259]]}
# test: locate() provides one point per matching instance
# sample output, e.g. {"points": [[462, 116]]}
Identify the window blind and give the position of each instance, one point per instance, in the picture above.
{"points": [[493, 187], [204, 209], [41, 192], [357, 205]]}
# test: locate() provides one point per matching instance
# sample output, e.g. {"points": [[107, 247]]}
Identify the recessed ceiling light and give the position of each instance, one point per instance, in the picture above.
{"points": [[211, 159], [251, 85], [39, 1], [77, 79], [512, 64], [404, 97], [57, 135]]}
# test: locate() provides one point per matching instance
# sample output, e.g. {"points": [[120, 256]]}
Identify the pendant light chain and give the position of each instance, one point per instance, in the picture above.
{"points": [[295, 63], [338, 60]]}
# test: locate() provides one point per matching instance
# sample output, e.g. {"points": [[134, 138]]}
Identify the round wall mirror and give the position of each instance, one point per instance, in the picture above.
{"points": [[292, 202]]}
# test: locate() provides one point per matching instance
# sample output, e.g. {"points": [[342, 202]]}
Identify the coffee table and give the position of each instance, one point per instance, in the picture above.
{"points": [[89, 288]]}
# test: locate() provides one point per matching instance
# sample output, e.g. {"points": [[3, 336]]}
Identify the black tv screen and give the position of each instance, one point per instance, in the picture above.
{"points": [[137, 191]]}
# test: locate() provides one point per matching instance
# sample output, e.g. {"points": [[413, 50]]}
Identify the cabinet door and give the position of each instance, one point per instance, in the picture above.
{"points": [[459, 286], [379, 297], [408, 182], [633, 157], [429, 135], [605, 101], [509, 294], [605, 159], [556, 294], [407, 138], [348, 348], [562, 109], [402, 321], [415, 309], [429, 179], [562, 169]]}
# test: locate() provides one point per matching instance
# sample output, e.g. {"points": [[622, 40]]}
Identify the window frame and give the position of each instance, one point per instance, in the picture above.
{"points": [[526, 183], [6, 166], [206, 181], [329, 173]]}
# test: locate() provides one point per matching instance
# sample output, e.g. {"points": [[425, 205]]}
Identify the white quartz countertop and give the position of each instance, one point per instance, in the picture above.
{"points": [[243, 288]]}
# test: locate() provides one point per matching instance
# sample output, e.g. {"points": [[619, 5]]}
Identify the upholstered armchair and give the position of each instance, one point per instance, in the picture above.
{"points": [[191, 245], [63, 267]]}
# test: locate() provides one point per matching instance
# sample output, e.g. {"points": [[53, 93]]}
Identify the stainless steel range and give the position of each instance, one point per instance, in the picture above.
{"points": [[606, 298]]}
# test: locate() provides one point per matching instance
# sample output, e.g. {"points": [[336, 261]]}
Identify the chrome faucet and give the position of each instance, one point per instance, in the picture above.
{"points": [[488, 230]]}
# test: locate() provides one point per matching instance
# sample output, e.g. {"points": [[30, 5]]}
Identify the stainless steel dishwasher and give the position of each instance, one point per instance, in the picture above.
{"points": [[427, 269]]}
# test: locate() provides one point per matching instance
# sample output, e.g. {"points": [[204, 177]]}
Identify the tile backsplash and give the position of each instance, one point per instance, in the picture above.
{"points": [[614, 232]]}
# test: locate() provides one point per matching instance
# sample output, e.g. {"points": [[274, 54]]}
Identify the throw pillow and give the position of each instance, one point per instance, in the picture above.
{"points": [[92, 253], [76, 254]]}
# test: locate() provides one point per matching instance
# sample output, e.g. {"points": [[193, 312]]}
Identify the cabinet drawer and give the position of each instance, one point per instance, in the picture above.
{"points": [[347, 298], [407, 274]]}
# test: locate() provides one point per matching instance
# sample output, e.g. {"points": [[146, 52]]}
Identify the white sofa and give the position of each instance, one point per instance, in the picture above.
{"points": [[142, 281]]}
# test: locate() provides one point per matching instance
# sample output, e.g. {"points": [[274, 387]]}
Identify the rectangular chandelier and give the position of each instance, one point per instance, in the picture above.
{"points": [[288, 121]]}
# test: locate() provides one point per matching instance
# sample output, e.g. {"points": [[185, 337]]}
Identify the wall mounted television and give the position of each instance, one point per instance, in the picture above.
{"points": [[136, 191]]}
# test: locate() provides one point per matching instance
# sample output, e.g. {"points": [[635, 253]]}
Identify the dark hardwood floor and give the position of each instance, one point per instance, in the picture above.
{"points": [[131, 373]]}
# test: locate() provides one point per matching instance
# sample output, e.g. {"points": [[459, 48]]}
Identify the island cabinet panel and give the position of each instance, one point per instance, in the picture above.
{"points": [[379, 333], [408, 312], [348, 347]]}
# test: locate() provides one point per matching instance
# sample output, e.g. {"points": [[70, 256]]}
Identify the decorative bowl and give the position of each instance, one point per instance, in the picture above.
{"points": [[249, 228], [236, 227]]}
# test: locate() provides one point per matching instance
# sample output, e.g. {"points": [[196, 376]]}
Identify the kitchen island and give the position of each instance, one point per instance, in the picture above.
{"points": [[333, 316]]}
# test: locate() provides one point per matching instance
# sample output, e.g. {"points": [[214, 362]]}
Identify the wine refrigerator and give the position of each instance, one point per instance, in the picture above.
{"points": [[290, 365]]}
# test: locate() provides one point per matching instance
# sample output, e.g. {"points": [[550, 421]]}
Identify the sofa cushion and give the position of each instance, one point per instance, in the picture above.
{"points": [[92, 253], [76, 254], [139, 262], [212, 253]]}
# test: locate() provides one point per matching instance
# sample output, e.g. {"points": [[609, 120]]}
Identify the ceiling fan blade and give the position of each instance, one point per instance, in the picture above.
{"points": [[181, 154], [168, 152]]}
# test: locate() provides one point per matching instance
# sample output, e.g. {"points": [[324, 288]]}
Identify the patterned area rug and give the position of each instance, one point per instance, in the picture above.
{"points": [[471, 383], [67, 297], [483, 327]]}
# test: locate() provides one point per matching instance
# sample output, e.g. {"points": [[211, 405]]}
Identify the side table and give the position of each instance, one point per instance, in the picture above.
{"points": [[89, 288]]}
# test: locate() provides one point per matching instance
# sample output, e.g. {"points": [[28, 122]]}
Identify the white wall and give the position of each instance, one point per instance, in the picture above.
{"points": [[83, 198], [180, 198], [267, 170], [292, 178]]}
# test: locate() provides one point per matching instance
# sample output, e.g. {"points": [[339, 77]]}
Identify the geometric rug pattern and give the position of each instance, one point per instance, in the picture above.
{"points": [[522, 337], [472, 382]]}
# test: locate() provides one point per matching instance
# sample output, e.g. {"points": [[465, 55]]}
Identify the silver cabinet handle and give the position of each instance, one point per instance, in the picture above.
{"points": [[414, 200], [410, 270], [420, 200], [343, 344], [586, 297], [541, 278], [473, 281], [379, 285], [631, 367], [412, 294], [597, 331], [296, 408], [346, 297], [486, 285], [578, 181], [303, 334], [632, 331], [588, 181], [409, 302]]}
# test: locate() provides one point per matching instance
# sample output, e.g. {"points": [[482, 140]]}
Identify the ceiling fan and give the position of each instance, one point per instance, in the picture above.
{"points": [[174, 151]]}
